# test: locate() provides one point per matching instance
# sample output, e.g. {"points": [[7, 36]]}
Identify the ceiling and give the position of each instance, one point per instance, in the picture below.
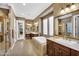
{"points": [[29, 10]]}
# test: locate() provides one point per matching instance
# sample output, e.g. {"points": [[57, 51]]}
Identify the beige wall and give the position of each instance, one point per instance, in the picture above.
{"points": [[12, 19]]}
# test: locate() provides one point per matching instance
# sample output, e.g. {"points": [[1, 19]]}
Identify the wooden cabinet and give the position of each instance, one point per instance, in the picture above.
{"points": [[30, 35], [50, 49], [64, 51], [74, 53], [55, 49], [61, 50]]}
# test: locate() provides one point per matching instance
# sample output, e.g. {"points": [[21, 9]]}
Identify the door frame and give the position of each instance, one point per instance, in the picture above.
{"points": [[23, 26]]}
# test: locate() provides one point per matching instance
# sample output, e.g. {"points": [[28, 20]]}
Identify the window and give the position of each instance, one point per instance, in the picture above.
{"points": [[45, 29], [51, 26], [48, 25]]}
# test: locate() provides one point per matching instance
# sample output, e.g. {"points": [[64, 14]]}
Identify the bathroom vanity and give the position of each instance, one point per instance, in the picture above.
{"points": [[67, 27], [61, 47]]}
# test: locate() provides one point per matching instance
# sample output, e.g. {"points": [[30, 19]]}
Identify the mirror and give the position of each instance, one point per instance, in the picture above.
{"points": [[20, 28], [77, 27]]}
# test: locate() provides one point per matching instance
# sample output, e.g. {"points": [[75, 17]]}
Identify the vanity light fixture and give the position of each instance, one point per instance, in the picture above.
{"points": [[67, 9], [36, 23], [29, 24], [62, 11], [73, 6]]}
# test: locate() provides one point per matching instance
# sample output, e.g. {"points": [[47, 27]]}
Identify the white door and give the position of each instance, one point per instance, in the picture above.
{"points": [[20, 30]]}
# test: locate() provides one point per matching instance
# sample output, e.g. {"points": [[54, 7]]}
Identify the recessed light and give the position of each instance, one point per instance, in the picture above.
{"points": [[23, 4]]}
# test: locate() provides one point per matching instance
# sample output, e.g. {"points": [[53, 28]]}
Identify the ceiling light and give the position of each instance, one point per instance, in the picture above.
{"points": [[24, 4]]}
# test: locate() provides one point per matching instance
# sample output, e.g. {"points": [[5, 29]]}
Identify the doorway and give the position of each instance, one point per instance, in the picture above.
{"points": [[20, 29]]}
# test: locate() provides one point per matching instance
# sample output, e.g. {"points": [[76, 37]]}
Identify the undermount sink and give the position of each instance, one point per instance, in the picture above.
{"points": [[69, 41], [74, 42], [64, 41]]}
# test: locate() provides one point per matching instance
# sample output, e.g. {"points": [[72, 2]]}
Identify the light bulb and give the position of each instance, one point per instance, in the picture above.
{"points": [[73, 7], [62, 12], [67, 10]]}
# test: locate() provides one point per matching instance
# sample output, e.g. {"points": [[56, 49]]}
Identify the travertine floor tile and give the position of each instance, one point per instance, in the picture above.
{"points": [[23, 48]]}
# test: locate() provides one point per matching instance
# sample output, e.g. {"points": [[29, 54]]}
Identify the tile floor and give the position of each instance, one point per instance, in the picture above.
{"points": [[22, 48], [2, 47]]}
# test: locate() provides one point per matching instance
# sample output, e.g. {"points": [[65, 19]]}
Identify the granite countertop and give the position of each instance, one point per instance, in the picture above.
{"points": [[73, 44]]}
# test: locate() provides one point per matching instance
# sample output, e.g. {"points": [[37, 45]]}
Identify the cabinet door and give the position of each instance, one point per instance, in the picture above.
{"points": [[56, 49], [50, 50], [64, 51], [61, 50], [74, 53]]}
